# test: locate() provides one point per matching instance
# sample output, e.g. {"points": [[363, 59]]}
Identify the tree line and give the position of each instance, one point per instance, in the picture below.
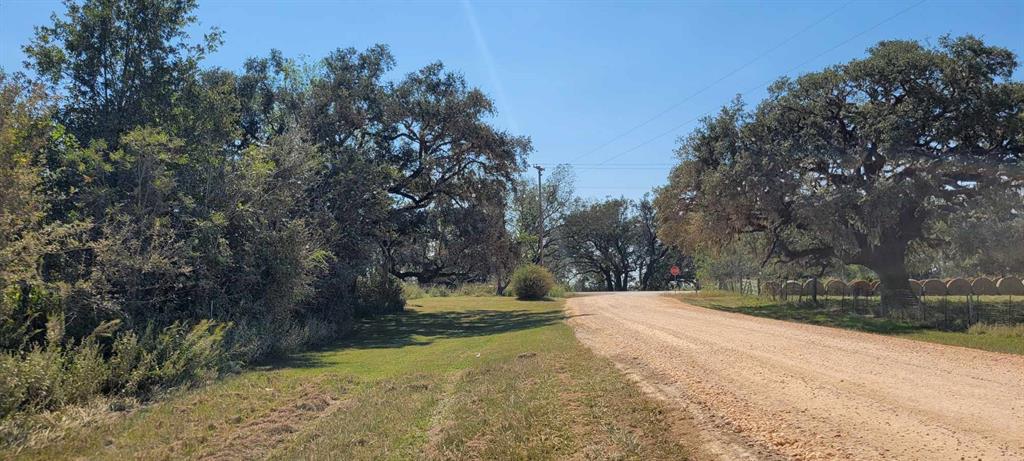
{"points": [[905, 162], [609, 244], [143, 193]]}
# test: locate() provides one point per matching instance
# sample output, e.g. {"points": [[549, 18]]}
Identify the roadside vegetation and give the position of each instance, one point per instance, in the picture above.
{"points": [[451, 378], [164, 221], [837, 313]]}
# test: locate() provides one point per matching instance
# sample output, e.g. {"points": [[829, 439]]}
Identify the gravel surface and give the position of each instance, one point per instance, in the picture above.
{"points": [[758, 388]]}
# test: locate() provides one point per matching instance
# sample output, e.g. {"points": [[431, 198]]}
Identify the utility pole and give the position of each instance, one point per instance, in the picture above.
{"points": [[540, 216]]}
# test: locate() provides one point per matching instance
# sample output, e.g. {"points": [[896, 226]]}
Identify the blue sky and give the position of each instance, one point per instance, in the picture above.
{"points": [[608, 86]]}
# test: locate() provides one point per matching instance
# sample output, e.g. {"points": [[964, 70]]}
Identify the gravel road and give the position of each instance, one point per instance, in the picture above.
{"points": [[758, 388]]}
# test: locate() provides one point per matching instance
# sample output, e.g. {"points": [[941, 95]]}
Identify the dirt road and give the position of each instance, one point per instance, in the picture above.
{"points": [[764, 389]]}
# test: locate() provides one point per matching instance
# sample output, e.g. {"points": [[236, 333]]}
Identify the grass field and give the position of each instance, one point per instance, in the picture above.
{"points": [[452, 378], [990, 339]]}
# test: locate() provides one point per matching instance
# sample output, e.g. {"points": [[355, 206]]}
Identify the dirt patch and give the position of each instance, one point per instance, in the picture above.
{"points": [[255, 438]]}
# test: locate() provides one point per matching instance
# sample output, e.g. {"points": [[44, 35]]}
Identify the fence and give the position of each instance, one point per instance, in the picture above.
{"points": [[954, 303]]}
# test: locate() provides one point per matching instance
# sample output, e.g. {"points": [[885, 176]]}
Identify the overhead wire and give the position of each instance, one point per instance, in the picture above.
{"points": [[798, 66], [712, 84]]}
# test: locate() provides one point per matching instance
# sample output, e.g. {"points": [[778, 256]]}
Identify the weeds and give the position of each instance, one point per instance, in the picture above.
{"points": [[1008, 331], [61, 372]]}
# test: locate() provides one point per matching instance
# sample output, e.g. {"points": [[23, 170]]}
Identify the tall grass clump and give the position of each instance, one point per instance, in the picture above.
{"points": [[379, 293], [532, 282], [560, 290], [61, 371], [413, 290], [992, 329]]}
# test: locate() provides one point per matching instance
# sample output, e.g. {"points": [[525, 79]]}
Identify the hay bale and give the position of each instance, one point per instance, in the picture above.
{"points": [[916, 287], [983, 286], [1010, 286], [792, 287], [934, 287], [809, 286], [958, 287], [836, 288], [860, 288]]}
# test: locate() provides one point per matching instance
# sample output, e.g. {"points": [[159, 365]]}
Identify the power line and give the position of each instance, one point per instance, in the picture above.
{"points": [[712, 84], [844, 42]]}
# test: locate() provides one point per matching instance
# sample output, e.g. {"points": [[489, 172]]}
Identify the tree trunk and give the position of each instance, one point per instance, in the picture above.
{"points": [[894, 281], [895, 291]]}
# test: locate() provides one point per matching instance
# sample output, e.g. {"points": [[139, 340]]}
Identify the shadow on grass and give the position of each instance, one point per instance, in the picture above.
{"points": [[414, 328]]}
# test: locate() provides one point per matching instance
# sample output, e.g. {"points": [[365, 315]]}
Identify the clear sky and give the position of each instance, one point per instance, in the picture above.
{"points": [[608, 86]]}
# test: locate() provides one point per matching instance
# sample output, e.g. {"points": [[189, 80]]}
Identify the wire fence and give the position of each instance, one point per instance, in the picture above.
{"points": [[954, 308]]}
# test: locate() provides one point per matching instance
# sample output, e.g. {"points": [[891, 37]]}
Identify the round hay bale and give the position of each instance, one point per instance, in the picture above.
{"points": [[958, 287], [809, 286], [983, 286], [791, 288], [836, 288], [859, 288], [934, 287], [1010, 286], [916, 287], [770, 288]]}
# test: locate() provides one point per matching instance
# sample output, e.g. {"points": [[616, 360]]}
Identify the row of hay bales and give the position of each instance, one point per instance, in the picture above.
{"points": [[931, 287]]}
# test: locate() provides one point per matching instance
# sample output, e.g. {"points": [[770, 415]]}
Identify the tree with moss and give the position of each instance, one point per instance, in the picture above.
{"points": [[857, 162]]}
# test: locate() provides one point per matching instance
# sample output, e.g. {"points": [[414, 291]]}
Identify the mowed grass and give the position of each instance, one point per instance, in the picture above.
{"points": [[995, 339], [452, 378]]}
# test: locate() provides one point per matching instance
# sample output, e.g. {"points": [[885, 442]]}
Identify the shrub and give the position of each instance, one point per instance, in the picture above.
{"points": [[379, 292], [439, 291], [475, 289], [64, 372], [532, 282], [1009, 331], [413, 290], [559, 291]]}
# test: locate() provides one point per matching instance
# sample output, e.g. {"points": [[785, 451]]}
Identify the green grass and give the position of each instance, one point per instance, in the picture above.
{"points": [[989, 338], [452, 378]]}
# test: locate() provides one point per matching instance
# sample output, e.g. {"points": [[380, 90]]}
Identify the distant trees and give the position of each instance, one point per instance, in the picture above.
{"points": [[597, 241], [614, 244], [856, 163], [559, 195]]}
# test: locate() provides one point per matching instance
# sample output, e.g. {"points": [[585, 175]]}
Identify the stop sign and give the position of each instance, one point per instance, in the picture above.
{"points": [[674, 271]]}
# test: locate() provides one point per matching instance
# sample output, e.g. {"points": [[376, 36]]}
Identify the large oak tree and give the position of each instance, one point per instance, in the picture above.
{"points": [[859, 161]]}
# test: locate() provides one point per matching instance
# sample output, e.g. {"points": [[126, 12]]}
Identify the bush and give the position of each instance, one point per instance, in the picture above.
{"points": [[559, 291], [413, 290], [379, 293], [532, 282], [475, 289], [1008, 331], [65, 372], [439, 291]]}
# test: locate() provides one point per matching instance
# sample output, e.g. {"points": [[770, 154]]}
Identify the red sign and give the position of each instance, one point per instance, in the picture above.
{"points": [[674, 271]]}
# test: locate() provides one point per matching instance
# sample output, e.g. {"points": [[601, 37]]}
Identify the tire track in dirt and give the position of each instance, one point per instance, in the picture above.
{"points": [[763, 388]]}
